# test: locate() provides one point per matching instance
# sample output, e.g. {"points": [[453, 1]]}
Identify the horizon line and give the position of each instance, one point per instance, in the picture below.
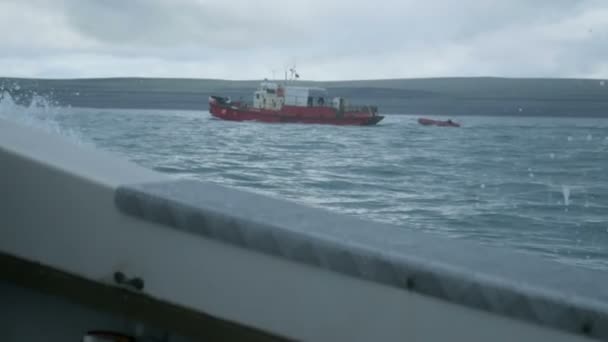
{"points": [[301, 80]]}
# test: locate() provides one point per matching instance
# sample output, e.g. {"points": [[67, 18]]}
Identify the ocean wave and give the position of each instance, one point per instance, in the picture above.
{"points": [[515, 182]]}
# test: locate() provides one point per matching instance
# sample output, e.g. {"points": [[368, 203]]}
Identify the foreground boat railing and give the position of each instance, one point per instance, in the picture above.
{"points": [[273, 265]]}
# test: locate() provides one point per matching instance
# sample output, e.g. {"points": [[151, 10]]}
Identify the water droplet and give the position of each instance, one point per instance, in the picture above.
{"points": [[566, 194], [483, 186], [569, 138], [531, 175], [589, 137], [552, 155]]}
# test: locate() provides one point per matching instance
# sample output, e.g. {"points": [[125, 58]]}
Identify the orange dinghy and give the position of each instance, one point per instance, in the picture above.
{"points": [[431, 122]]}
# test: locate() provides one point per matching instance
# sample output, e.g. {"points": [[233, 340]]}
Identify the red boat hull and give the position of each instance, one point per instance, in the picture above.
{"points": [[430, 122], [293, 114]]}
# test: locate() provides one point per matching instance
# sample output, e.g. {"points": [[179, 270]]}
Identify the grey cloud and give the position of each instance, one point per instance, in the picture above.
{"points": [[174, 23], [328, 39]]}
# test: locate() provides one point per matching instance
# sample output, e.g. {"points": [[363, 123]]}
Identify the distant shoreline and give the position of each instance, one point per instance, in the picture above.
{"points": [[450, 96], [302, 80]]}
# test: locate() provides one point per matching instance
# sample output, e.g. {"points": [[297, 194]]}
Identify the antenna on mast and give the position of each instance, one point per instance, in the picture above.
{"points": [[294, 73], [290, 72]]}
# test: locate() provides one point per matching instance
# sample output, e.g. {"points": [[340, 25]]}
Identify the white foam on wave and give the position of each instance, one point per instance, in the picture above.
{"points": [[41, 113]]}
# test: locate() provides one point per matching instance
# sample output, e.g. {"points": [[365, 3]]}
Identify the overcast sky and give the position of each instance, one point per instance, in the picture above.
{"points": [[326, 39]]}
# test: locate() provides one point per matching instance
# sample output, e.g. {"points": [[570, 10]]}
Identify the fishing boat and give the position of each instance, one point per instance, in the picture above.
{"points": [[279, 103], [431, 122]]}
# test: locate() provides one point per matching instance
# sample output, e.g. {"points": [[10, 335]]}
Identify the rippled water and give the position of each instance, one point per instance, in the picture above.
{"points": [[535, 184]]}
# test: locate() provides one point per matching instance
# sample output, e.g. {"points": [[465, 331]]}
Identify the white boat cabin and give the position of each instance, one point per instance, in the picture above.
{"points": [[273, 96]]}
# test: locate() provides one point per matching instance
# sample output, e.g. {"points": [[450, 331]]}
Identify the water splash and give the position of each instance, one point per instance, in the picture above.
{"points": [[37, 111], [566, 194]]}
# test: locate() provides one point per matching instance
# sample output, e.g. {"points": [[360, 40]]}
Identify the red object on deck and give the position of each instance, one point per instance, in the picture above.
{"points": [[431, 122]]}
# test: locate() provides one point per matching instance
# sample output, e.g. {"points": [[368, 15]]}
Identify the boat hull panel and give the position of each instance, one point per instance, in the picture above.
{"points": [[293, 114]]}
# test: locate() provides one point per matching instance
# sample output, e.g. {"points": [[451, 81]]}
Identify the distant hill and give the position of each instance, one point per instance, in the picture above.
{"points": [[428, 96]]}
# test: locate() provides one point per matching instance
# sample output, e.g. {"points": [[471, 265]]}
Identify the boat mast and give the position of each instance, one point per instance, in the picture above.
{"points": [[291, 74]]}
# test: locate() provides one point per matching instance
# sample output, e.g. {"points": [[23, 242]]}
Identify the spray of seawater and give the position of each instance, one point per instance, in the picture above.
{"points": [[566, 194], [38, 111]]}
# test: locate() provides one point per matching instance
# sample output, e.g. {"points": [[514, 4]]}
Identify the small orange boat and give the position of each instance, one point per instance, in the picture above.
{"points": [[431, 122]]}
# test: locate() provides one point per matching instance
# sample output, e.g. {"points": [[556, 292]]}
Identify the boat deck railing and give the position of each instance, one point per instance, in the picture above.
{"points": [[283, 268], [372, 110]]}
